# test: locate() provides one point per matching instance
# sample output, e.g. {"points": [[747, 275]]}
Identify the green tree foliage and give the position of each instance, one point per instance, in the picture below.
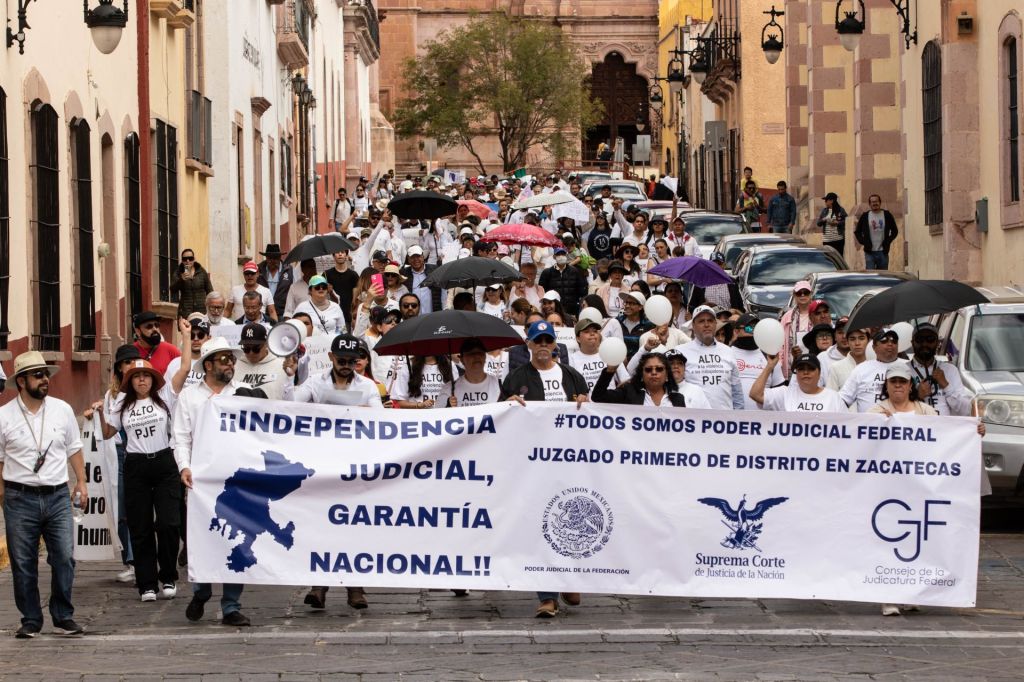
{"points": [[520, 80]]}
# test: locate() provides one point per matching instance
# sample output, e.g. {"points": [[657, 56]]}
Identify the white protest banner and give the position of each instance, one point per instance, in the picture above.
{"points": [[232, 334], [96, 536], [607, 498]]}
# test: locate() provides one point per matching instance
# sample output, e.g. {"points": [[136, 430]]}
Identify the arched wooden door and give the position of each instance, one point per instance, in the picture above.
{"points": [[623, 93]]}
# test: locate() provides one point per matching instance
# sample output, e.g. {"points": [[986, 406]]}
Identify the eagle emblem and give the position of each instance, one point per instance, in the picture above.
{"points": [[744, 523]]}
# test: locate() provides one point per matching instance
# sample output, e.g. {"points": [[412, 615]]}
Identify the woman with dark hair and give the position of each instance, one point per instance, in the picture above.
{"points": [[123, 359], [641, 286], [627, 254], [832, 221], [419, 383], [152, 486], [652, 384], [192, 283]]}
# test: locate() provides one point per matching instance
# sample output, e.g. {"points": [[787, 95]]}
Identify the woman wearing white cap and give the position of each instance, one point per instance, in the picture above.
{"points": [[494, 302]]}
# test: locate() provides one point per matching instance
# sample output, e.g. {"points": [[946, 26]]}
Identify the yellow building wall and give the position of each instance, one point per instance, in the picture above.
{"points": [[167, 102], [671, 15], [761, 101]]}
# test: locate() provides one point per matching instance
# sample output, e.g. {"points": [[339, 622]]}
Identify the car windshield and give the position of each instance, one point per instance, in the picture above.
{"points": [[842, 295], [708, 232], [787, 267], [734, 250], [996, 343]]}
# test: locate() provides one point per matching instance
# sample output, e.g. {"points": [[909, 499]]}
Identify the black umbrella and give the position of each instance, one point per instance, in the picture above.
{"points": [[470, 272], [444, 332], [320, 245], [422, 204], [913, 299]]}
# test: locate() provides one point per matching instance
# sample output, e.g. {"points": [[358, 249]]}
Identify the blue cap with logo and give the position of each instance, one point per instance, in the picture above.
{"points": [[538, 329]]}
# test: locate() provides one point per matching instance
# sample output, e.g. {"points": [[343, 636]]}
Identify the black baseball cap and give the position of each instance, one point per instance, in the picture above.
{"points": [[253, 333], [747, 320], [381, 256], [348, 346], [126, 352], [926, 327], [884, 332], [807, 359], [144, 317]]}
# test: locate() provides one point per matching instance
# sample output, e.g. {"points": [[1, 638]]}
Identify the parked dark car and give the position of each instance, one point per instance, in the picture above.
{"points": [[766, 274], [844, 289], [709, 227], [732, 245]]}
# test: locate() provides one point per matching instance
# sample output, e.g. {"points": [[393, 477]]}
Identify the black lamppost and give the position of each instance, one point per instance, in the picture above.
{"points": [[770, 43], [699, 65], [853, 25], [105, 21]]}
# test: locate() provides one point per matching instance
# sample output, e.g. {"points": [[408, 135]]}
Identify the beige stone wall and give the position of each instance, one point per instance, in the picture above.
{"points": [[973, 142], [760, 104]]}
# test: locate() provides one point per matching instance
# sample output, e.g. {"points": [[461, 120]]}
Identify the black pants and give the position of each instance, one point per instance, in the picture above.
{"points": [[839, 246], [153, 498]]}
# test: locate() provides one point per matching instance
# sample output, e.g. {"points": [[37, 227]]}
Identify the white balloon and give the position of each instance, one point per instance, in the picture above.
{"points": [[591, 314], [612, 351], [905, 332], [658, 309], [768, 335]]}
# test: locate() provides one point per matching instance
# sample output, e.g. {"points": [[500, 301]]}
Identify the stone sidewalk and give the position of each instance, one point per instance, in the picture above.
{"points": [[432, 635]]}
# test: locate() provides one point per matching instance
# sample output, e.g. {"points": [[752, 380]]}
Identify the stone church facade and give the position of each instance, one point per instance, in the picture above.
{"points": [[618, 38]]}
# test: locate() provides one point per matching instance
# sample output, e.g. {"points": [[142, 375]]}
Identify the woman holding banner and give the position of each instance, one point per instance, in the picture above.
{"points": [[899, 398], [652, 384], [804, 392], [123, 358], [152, 488]]}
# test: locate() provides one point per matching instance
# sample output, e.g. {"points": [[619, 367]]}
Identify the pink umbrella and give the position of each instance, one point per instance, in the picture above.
{"points": [[521, 233], [481, 211]]}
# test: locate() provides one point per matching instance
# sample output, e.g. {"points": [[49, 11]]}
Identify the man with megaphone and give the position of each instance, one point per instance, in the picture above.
{"points": [[259, 368]]}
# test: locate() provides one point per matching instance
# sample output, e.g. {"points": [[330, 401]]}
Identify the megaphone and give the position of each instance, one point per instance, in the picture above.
{"points": [[285, 339]]}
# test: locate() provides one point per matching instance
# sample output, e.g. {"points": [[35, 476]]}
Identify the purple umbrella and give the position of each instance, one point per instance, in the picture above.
{"points": [[697, 271]]}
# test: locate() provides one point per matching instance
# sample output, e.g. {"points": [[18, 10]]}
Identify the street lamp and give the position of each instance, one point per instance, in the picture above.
{"points": [[306, 97], [675, 74], [654, 97], [699, 63], [106, 23], [851, 28], [770, 43]]}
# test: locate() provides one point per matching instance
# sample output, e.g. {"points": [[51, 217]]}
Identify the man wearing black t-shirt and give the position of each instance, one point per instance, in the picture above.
{"points": [[343, 280]]}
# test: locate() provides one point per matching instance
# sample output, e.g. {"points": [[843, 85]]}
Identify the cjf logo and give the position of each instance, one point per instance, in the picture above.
{"points": [[744, 524], [897, 522], [577, 522]]}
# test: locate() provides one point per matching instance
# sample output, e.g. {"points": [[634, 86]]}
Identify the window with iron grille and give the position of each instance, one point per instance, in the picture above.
{"points": [[166, 208], [81, 197], [931, 96], [46, 227], [133, 224], [1013, 118], [286, 168], [5, 226]]}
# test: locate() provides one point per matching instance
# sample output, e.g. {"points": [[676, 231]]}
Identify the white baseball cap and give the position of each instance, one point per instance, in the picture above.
{"points": [[415, 251], [634, 295], [551, 296], [701, 309]]}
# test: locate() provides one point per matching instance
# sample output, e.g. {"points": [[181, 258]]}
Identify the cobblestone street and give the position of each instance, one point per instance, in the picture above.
{"points": [[432, 635]]}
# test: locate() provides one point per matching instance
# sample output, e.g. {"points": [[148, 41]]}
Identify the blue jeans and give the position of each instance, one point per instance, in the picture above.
{"points": [[29, 516], [544, 596], [876, 260], [229, 601], [780, 229], [122, 513]]}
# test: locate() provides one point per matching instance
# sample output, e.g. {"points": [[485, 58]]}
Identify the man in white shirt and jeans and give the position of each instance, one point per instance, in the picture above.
{"points": [[39, 437], [217, 360]]}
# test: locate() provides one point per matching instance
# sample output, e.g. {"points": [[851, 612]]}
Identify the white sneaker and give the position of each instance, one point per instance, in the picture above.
{"points": [[890, 610], [148, 595], [168, 591], [127, 575]]}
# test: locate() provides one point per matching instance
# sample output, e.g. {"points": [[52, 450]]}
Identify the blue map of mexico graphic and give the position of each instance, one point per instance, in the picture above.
{"points": [[244, 506]]}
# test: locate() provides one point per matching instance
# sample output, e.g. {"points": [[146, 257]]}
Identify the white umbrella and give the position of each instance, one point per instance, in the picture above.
{"points": [[574, 209], [538, 200]]}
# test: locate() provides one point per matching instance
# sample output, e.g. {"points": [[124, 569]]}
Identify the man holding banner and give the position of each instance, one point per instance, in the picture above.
{"points": [[543, 379], [349, 389], [218, 360]]}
